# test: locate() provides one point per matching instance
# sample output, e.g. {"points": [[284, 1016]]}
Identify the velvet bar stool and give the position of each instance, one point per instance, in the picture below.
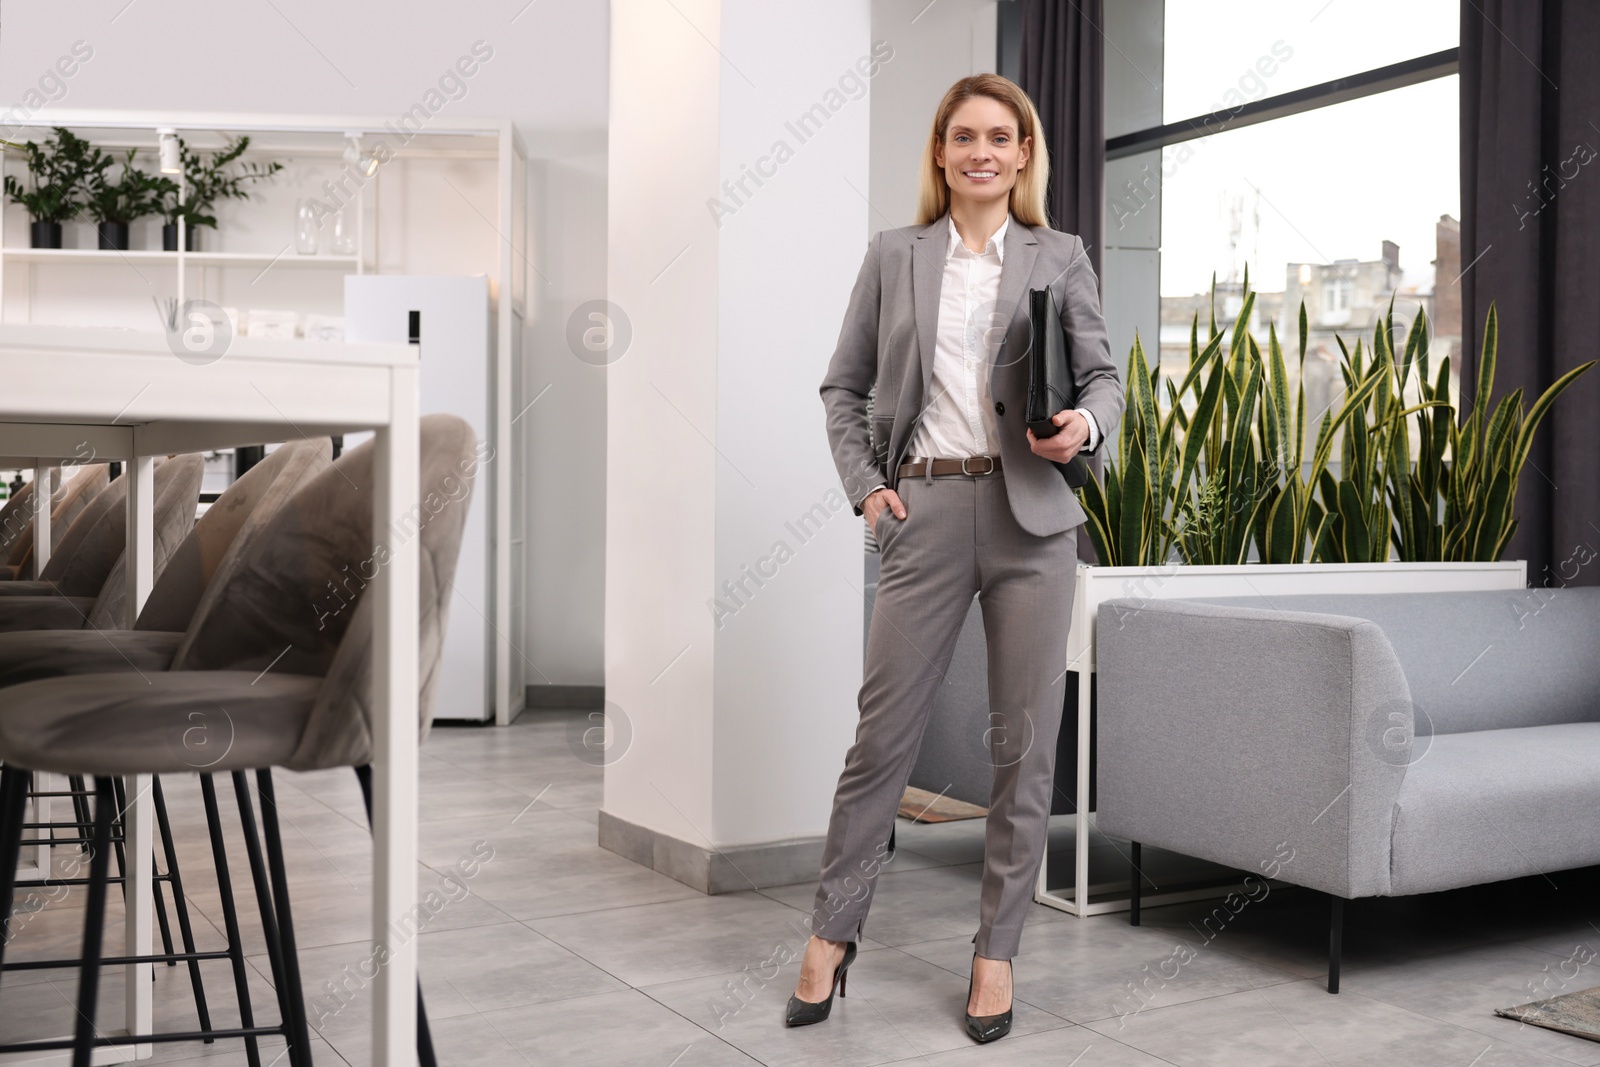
{"points": [[103, 643], [76, 494], [76, 579], [103, 646], [17, 515], [280, 654], [72, 581]]}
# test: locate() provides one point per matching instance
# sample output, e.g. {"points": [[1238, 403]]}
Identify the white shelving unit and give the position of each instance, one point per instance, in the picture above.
{"points": [[346, 264], [399, 228]]}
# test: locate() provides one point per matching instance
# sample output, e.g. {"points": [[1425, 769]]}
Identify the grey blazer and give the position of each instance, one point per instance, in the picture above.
{"points": [[888, 338]]}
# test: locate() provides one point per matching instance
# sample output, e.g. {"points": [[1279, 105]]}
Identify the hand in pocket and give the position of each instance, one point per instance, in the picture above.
{"points": [[883, 500]]}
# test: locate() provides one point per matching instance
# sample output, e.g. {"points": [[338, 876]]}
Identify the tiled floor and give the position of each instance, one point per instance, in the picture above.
{"points": [[557, 952]]}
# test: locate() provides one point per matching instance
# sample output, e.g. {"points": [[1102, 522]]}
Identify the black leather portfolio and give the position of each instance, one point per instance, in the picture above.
{"points": [[1050, 387]]}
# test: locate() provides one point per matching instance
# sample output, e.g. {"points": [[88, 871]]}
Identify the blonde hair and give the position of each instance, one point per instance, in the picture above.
{"points": [[1027, 195]]}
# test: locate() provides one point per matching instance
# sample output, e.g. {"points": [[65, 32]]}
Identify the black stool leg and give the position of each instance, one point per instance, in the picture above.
{"points": [[120, 792], [13, 798], [94, 924], [80, 805], [280, 894], [425, 1055], [1335, 943], [180, 905], [230, 918], [1133, 895], [299, 1055]]}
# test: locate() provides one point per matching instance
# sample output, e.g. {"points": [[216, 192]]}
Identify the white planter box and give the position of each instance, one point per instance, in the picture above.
{"points": [[1095, 585]]}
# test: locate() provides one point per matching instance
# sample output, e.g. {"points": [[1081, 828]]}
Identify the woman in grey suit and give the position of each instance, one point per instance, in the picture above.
{"points": [[963, 500]]}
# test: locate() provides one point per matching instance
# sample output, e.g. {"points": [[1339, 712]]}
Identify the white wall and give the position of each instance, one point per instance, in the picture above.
{"points": [[935, 45], [548, 74], [717, 438]]}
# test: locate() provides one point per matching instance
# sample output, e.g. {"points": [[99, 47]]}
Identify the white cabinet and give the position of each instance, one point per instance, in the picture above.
{"points": [[455, 373]]}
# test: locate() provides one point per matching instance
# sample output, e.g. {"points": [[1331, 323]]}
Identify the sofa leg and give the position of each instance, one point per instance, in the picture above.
{"points": [[1335, 943], [1134, 885]]}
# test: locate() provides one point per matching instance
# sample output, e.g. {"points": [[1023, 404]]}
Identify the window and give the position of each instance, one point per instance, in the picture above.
{"points": [[1315, 145]]}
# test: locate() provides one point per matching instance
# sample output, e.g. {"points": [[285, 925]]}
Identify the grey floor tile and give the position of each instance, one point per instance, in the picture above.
{"points": [[1097, 968], [553, 866], [622, 1029], [1071, 1046], [528, 957], [897, 1006], [1464, 988], [1291, 1024], [692, 938]]}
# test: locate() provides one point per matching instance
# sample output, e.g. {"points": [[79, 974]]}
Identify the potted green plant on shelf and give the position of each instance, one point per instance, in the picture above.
{"points": [[58, 170], [113, 206], [207, 180]]}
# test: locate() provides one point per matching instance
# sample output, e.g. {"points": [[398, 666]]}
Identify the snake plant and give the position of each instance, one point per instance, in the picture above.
{"points": [[1221, 466], [1489, 452]]}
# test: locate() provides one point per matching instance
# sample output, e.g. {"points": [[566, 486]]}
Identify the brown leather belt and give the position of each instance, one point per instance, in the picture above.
{"points": [[973, 465]]}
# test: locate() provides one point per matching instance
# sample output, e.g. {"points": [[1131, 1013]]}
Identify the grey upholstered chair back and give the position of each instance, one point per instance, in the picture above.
{"points": [[76, 493], [17, 515], [110, 500], [292, 599], [87, 557], [177, 497], [185, 572], [1485, 660]]}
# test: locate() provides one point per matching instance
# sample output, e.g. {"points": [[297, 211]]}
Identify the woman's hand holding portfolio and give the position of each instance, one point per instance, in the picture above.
{"points": [[1064, 445]]}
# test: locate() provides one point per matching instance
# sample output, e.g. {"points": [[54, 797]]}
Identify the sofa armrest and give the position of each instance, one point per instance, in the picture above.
{"points": [[1244, 736]]}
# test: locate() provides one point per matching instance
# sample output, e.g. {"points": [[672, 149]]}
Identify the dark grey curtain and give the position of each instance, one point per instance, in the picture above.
{"points": [[1063, 70], [1530, 242]]}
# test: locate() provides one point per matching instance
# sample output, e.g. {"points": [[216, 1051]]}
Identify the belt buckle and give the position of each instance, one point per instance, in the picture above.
{"points": [[964, 460]]}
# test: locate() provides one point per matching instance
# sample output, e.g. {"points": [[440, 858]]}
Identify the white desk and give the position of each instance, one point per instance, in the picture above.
{"points": [[91, 395]]}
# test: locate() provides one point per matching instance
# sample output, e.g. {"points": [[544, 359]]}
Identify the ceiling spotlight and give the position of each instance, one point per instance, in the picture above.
{"points": [[170, 161]]}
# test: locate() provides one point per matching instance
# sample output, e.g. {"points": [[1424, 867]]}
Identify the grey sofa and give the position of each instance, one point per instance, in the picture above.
{"points": [[1390, 744]]}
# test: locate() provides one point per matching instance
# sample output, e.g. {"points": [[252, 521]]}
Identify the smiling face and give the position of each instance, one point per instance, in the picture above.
{"points": [[981, 154]]}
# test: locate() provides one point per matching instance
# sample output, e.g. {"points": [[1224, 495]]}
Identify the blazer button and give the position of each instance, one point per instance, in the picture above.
{"points": [[999, 408]]}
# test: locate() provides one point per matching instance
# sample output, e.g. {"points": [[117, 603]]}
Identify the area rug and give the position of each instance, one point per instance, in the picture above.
{"points": [[919, 805], [1577, 1014]]}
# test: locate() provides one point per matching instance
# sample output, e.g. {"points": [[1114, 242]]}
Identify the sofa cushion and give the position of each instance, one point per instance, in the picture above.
{"points": [[1483, 660], [1480, 807]]}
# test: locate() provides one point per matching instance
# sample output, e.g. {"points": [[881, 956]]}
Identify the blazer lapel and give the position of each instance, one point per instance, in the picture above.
{"points": [[1022, 248], [928, 253]]}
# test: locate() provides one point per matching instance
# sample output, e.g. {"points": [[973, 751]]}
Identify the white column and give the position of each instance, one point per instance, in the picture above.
{"points": [[738, 220]]}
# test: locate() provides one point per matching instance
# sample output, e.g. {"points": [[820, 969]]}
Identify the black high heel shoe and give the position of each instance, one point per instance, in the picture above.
{"points": [[983, 1028], [802, 1012]]}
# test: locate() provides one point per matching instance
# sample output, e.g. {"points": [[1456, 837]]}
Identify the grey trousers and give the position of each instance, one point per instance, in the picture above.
{"points": [[958, 539]]}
